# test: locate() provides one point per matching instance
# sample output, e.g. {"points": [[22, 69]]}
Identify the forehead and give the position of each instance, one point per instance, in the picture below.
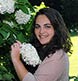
{"points": [[42, 19]]}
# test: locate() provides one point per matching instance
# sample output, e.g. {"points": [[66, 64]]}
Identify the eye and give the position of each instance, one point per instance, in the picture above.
{"points": [[37, 26], [48, 26]]}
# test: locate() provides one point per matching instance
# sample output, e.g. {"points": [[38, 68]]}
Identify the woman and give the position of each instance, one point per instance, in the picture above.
{"points": [[51, 39]]}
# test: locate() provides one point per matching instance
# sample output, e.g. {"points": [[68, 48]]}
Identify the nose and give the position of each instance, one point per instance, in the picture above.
{"points": [[42, 30]]}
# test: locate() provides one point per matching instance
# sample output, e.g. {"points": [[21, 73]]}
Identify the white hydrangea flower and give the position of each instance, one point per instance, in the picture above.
{"points": [[29, 54], [7, 6], [21, 17]]}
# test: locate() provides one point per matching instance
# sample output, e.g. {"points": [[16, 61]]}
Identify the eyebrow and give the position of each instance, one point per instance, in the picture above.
{"points": [[45, 24]]}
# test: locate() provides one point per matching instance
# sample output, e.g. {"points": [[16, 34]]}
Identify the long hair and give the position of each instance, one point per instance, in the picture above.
{"points": [[61, 39]]}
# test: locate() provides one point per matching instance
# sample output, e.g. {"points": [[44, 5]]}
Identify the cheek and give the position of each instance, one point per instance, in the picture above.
{"points": [[51, 32], [36, 32]]}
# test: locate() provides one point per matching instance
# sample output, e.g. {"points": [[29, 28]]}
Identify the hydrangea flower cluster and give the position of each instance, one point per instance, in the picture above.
{"points": [[7, 6], [21, 17], [29, 54]]}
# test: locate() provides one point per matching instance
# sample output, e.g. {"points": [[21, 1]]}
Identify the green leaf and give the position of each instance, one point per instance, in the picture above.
{"points": [[4, 74], [7, 76], [5, 34], [22, 1], [2, 69], [7, 28], [1, 40], [29, 25], [24, 8], [24, 5], [30, 6], [20, 37], [0, 77]]}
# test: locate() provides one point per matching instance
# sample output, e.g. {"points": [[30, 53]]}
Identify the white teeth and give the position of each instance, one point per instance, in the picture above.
{"points": [[42, 37]]}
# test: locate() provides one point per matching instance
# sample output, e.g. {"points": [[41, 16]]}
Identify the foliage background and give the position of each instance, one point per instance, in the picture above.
{"points": [[9, 34]]}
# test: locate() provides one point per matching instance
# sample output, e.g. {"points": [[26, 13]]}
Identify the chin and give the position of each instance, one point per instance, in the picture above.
{"points": [[43, 43]]}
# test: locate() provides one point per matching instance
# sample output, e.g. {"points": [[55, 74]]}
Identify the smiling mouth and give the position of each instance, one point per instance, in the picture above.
{"points": [[42, 36]]}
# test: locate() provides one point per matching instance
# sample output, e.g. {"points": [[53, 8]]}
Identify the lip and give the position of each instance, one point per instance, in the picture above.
{"points": [[43, 36]]}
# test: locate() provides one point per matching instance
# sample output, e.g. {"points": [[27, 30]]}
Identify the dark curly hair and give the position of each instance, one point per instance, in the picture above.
{"points": [[61, 39]]}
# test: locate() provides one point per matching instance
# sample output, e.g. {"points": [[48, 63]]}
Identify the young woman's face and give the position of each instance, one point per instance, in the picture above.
{"points": [[44, 30]]}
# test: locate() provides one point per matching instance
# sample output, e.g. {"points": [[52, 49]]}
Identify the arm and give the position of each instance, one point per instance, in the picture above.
{"points": [[20, 69], [45, 72], [15, 55]]}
